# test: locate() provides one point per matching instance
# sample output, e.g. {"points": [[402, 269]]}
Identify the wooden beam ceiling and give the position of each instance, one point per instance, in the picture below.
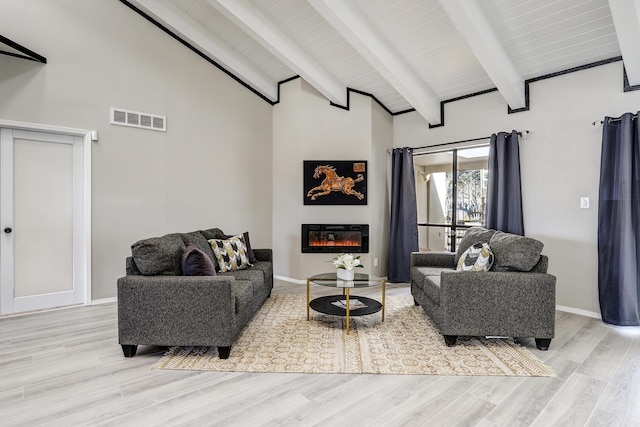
{"points": [[349, 22], [246, 16], [626, 19], [211, 45], [471, 23]]}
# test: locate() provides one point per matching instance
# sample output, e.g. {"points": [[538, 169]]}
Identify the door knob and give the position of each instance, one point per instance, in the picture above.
{"points": [[8, 230]]}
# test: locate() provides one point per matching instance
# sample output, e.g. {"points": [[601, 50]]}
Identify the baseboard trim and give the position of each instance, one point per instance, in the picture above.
{"points": [[103, 301], [578, 311], [289, 279]]}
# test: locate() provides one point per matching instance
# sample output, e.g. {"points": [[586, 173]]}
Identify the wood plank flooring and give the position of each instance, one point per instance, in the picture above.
{"points": [[65, 368]]}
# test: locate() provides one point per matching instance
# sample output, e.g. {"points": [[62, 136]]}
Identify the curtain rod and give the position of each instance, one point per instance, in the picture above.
{"points": [[633, 117], [461, 141]]}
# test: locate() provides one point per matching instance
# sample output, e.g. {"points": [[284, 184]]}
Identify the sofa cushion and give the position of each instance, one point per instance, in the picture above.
{"points": [[419, 273], [471, 237], [159, 255], [231, 254], [266, 267], [256, 277], [428, 279], [514, 253], [196, 263], [432, 288], [478, 257]]}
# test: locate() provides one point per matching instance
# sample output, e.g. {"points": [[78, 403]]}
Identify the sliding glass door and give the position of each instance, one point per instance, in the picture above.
{"points": [[451, 190]]}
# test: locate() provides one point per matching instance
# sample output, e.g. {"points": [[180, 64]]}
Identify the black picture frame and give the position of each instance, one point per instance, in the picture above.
{"points": [[335, 182]]}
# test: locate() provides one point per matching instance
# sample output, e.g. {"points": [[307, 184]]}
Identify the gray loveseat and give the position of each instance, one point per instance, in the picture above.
{"points": [[157, 305], [515, 298]]}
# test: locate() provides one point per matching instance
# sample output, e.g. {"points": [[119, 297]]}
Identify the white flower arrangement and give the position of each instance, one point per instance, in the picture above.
{"points": [[347, 261]]}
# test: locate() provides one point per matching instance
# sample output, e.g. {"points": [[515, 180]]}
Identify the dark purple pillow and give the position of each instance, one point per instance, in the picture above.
{"points": [[196, 263], [245, 235]]}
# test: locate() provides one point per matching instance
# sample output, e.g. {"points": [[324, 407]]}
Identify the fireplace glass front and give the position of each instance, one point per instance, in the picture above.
{"points": [[335, 238]]}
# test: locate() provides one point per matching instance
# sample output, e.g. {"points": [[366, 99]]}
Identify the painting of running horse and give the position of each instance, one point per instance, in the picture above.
{"points": [[329, 182]]}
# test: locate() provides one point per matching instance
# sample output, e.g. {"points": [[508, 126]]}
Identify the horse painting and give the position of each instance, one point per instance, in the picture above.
{"points": [[333, 182]]}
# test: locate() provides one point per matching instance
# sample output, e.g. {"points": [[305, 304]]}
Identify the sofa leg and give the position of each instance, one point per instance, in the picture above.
{"points": [[223, 352], [450, 340], [415, 302], [129, 350], [543, 343]]}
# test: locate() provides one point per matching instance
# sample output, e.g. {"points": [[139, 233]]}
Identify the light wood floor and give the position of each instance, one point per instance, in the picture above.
{"points": [[65, 368]]}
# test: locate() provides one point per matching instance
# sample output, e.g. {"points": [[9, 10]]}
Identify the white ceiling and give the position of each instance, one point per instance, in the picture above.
{"points": [[408, 54]]}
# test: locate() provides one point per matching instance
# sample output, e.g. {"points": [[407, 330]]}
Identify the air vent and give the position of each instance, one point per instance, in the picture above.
{"points": [[137, 119]]}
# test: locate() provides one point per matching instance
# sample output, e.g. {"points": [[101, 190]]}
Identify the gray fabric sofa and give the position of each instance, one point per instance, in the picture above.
{"points": [[515, 298], [157, 305]]}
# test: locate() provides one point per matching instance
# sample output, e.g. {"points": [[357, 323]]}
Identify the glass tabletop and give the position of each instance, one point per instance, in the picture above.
{"points": [[361, 280]]}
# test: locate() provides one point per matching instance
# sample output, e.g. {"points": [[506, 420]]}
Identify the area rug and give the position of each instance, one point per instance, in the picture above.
{"points": [[280, 339]]}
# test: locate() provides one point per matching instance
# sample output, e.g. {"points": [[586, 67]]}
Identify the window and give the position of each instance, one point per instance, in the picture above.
{"points": [[451, 190]]}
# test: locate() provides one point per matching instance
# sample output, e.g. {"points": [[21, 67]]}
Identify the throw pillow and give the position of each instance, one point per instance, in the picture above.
{"points": [[514, 252], [159, 255], [231, 253], [476, 258], [196, 263], [471, 237], [245, 236]]}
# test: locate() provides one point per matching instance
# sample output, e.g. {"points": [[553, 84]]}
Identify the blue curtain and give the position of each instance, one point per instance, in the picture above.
{"points": [[403, 235], [504, 193], [618, 222]]}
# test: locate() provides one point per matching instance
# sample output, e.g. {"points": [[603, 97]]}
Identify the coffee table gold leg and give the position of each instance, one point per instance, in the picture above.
{"points": [[383, 295], [308, 280], [348, 305]]}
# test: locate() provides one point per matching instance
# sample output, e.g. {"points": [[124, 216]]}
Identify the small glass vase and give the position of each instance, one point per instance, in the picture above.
{"points": [[344, 274]]}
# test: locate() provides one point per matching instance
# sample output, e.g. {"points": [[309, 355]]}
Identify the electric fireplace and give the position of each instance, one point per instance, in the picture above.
{"points": [[335, 238]]}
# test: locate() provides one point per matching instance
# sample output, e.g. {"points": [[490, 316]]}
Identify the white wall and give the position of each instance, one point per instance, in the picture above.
{"points": [[307, 127], [560, 161], [212, 168]]}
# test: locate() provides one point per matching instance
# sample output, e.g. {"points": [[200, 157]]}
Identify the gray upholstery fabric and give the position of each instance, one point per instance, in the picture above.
{"points": [[431, 287], [433, 259], [172, 310], [159, 255], [515, 304], [513, 252], [471, 237], [130, 266], [212, 233]]}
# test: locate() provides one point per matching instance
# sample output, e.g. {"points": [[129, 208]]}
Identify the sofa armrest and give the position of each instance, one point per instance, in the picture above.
{"points": [[263, 254], [509, 303], [433, 259], [179, 310]]}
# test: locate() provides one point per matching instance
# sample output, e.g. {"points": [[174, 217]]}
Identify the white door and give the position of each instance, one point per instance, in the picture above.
{"points": [[40, 258]]}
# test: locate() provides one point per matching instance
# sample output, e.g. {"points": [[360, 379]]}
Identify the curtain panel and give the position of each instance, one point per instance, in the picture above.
{"points": [[504, 192], [403, 233], [619, 222]]}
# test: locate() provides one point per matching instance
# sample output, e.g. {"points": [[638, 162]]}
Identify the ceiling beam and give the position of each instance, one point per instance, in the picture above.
{"points": [[221, 52], [345, 18], [246, 16], [626, 19], [472, 24]]}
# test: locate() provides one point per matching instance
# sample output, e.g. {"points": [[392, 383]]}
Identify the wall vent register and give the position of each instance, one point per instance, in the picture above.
{"points": [[138, 119]]}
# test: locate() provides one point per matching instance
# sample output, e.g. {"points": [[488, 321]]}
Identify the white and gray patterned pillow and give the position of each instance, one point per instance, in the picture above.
{"points": [[231, 253], [478, 257]]}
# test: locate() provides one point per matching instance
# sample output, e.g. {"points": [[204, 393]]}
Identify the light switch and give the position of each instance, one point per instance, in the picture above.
{"points": [[584, 203]]}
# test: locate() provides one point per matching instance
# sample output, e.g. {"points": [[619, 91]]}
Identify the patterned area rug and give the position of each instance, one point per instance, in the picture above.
{"points": [[280, 339]]}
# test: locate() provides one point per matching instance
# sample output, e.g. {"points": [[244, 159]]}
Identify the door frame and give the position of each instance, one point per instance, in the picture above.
{"points": [[82, 210]]}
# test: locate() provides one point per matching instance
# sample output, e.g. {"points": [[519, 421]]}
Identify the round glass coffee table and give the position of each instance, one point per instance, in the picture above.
{"points": [[337, 304]]}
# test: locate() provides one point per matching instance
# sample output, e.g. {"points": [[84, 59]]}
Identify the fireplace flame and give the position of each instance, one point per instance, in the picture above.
{"points": [[334, 243]]}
